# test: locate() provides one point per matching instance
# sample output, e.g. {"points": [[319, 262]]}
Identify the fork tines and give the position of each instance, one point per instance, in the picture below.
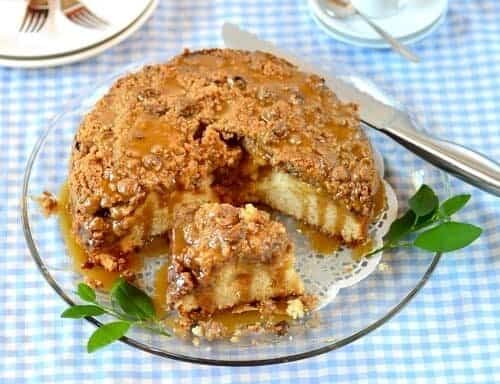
{"points": [[86, 18], [34, 20]]}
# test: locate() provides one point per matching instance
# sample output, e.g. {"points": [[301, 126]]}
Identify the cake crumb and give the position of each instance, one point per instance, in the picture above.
{"points": [[213, 330], [234, 339], [48, 203], [295, 309], [281, 328], [94, 283], [197, 331]]}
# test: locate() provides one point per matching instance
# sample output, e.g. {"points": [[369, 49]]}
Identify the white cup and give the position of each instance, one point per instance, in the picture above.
{"points": [[379, 8]]}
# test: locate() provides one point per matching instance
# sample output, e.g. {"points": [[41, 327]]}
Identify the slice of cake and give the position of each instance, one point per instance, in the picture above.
{"points": [[223, 257]]}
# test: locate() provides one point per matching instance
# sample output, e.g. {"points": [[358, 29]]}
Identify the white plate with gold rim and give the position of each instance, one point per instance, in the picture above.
{"points": [[97, 42]]}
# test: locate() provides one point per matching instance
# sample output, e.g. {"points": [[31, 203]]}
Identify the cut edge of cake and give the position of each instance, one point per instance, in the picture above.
{"points": [[244, 258]]}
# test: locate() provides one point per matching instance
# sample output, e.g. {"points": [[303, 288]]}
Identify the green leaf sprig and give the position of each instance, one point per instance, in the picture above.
{"points": [[431, 223], [130, 306]]}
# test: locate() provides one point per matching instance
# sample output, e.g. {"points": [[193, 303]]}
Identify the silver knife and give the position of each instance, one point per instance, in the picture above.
{"points": [[387, 116]]}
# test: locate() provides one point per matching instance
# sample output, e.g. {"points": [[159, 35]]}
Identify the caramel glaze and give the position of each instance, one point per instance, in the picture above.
{"points": [[319, 241], [173, 127], [197, 120], [233, 321], [229, 320], [325, 244], [95, 274], [160, 290]]}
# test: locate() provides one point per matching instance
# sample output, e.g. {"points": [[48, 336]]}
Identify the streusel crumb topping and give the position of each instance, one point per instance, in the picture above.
{"points": [[176, 126]]}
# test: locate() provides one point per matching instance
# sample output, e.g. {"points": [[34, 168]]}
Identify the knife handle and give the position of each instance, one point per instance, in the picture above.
{"points": [[464, 163]]}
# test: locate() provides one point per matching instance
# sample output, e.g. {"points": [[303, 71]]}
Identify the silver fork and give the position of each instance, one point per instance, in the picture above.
{"points": [[35, 16], [81, 15]]}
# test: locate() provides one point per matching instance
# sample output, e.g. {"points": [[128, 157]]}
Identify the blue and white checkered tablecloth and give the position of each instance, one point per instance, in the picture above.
{"points": [[449, 333]]}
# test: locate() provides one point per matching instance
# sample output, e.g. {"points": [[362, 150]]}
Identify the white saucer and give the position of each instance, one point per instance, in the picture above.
{"points": [[411, 22], [85, 52], [379, 43]]}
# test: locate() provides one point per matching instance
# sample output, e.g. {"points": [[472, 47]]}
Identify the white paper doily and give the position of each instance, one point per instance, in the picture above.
{"points": [[325, 274]]}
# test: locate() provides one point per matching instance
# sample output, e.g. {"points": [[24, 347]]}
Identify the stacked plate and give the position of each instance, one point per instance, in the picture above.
{"points": [[62, 41], [411, 23]]}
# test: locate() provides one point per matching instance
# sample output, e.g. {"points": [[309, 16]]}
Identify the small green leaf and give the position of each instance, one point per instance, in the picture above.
{"points": [[424, 221], [400, 227], [454, 204], [424, 201], [79, 311], [447, 237], [86, 292], [106, 334], [132, 300]]}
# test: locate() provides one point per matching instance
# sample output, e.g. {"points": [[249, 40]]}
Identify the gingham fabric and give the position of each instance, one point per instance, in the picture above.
{"points": [[449, 333]]}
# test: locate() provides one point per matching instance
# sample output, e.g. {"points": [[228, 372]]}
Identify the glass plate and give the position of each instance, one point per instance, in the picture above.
{"points": [[355, 311]]}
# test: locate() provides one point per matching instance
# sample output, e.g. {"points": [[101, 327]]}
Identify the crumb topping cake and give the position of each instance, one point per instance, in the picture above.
{"points": [[214, 130], [223, 256]]}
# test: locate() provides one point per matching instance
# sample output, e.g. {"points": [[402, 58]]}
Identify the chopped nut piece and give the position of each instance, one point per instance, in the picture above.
{"points": [[108, 261], [281, 328], [237, 81], [152, 162], [264, 93], [296, 98], [127, 187]]}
